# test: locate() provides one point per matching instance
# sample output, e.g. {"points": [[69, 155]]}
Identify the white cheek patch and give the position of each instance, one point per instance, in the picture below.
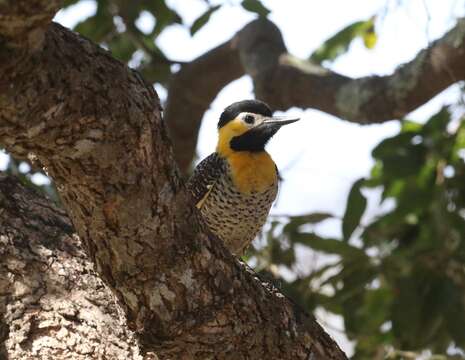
{"points": [[258, 119]]}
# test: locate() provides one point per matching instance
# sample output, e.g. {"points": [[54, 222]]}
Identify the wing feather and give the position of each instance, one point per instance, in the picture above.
{"points": [[205, 175]]}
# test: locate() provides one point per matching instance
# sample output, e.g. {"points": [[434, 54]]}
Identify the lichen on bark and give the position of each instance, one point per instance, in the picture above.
{"points": [[352, 97]]}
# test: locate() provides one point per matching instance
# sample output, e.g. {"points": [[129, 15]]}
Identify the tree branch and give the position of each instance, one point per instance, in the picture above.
{"points": [[24, 25], [191, 91], [51, 299], [96, 127], [284, 81]]}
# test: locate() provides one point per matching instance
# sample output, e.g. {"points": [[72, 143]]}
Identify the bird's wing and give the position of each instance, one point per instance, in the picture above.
{"points": [[204, 178]]}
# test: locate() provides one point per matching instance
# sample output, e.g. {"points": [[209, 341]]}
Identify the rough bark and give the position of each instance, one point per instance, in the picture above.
{"points": [[96, 127], [52, 303], [284, 81]]}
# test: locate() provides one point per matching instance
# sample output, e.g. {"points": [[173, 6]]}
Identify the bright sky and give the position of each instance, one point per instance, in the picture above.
{"points": [[320, 156]]}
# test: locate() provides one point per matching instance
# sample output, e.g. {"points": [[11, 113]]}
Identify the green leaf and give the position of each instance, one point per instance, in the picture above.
{"points": [[96, 27], [155, 73], [356, 204], [330, 246], [129, 11], [122, 47], [455, 316], [330, 303], [255, 6], [400, 156], [375, 309], [437, 123], [99, 26], [291, 229], [411, 126], [459, 143], [370, 38], [203, 19], [336, 247], [392, 145], [296, 221], [67, 3], [278, 254], [313, 218], [163, 14], [340, 42]]}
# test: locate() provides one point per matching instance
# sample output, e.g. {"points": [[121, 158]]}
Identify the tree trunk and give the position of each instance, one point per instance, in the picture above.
{"points": [[96, 127], [52, 303]]}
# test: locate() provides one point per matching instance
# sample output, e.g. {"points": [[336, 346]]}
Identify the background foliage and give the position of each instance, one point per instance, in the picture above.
{"points": [[397, 280]]}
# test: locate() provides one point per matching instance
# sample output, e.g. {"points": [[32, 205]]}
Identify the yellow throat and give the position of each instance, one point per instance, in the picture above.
{"points": [[251, 171]]}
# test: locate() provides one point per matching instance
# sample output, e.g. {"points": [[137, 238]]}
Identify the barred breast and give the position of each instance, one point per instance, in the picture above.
{"points": [[234, 216]]}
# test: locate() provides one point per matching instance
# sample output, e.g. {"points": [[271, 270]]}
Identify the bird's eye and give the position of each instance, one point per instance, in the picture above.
{"points": [[249, 119]]}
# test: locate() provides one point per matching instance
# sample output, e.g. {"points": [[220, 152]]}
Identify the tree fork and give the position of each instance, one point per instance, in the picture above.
{"points": [[96, 127]]}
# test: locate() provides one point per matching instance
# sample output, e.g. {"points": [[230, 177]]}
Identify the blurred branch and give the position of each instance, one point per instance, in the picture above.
{"points": [[285, 82], [191, 91]]}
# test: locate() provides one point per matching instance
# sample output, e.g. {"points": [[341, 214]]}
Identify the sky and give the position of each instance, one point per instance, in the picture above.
{"points": [[320, 156]]}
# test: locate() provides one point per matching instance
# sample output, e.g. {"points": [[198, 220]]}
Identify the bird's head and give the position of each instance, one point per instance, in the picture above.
{"points": [[247, 126]]}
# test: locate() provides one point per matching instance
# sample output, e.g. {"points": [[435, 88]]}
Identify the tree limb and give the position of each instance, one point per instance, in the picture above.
{"points": [[284, 81], [52, 304], [22, 24], [190, 93], [96, 127]]}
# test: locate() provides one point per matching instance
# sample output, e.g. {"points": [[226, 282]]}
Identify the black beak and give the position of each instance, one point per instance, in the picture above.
{"points": [[271, 125], [256, 138], [278, 121]]}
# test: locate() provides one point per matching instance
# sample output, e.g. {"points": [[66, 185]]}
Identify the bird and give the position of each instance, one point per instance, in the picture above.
{"points": [[235, 186]]}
